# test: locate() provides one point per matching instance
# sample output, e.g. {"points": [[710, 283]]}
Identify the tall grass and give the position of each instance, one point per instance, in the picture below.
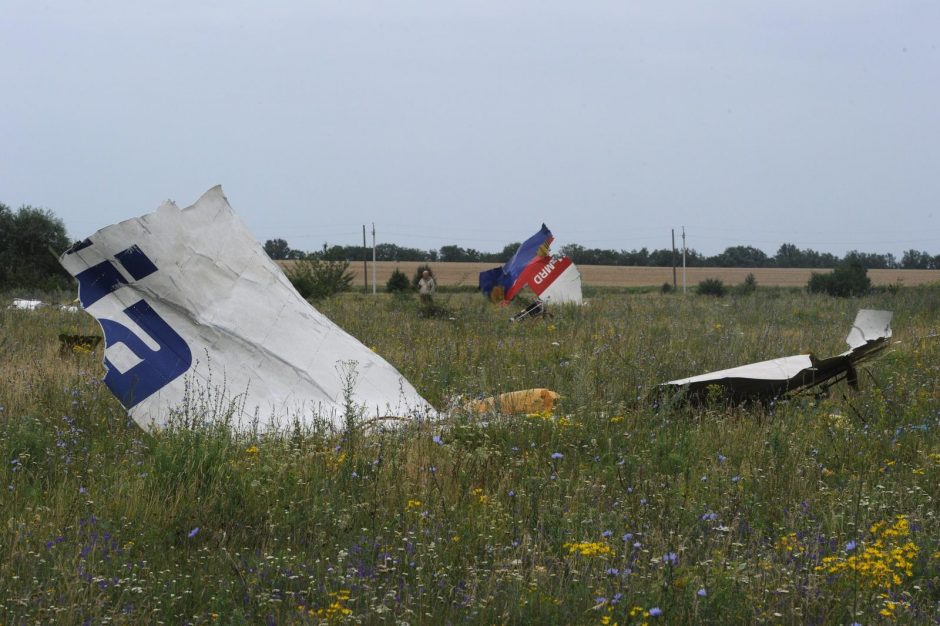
{"points": [[623, 506]]}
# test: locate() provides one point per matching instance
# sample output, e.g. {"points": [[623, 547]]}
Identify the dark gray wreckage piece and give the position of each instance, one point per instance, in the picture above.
{"points": [[771, 379]]}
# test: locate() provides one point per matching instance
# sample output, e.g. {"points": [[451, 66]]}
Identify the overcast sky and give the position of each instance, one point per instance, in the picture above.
{"points": [[471, 123]]}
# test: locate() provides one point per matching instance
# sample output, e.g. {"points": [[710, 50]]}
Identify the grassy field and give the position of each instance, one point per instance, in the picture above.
{"points": [[621, 507], [466, 274]]}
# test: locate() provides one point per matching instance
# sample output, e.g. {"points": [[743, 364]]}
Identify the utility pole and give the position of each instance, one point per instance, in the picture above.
{"points": [[683, 259], [674, 285], [365, 262], [373, 258]]}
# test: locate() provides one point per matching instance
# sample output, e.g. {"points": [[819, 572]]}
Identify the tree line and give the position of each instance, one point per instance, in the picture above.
{"points": [[787, 255]]}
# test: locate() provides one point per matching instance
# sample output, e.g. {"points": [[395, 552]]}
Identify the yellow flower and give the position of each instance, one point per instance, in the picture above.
{"points": [[883, 560], [413, 504], [588, 548], [252, 450]]}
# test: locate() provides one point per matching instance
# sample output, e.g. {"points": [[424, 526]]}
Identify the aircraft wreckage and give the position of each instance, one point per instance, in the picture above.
{"points": [[777, 377]]}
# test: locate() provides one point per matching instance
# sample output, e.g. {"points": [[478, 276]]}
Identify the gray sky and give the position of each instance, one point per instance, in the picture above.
{"points": [[815, 123]]}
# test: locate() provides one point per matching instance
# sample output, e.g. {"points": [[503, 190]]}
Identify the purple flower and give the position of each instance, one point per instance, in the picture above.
{"points": [[512, 493], [656, 611], [709, 517], [82, 490], [702, 593], [606, 533], [722, 458], [627, 536], [194, 532], [612, 571], [437, 439], [735, 479], [850, 546], [557, 455], [670, 558]]}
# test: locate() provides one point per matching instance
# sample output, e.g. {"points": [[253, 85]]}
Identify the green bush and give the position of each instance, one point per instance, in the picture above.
{"points": [[849, 279], [749, 286], [712, 287], [398, 282], [30, 239], [317, 279]]}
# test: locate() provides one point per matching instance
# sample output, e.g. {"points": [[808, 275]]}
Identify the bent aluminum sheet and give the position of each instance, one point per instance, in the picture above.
{"points": [[197, 317], [767, 379]]}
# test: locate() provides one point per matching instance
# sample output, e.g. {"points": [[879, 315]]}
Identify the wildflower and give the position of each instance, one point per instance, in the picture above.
{"points": [[701, 592], [413, 504], [613, 571], [588, 548], [735, 479], [437, 439], [606, 534], [656, 611], [670, 558], [850, 546], [721, 458], [194, 532], [251, 450], [512, 493], [557, 455], [882, 560], [627, 537]]}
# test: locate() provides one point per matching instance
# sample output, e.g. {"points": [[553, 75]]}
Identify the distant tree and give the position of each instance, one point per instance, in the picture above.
{"points": [[788, 255], [456, 253], [30, 240], [662, 258], [279, 250], [574, 252], [740, 256], [391, 252], [914, 260], [509, 250], [870, 260]]}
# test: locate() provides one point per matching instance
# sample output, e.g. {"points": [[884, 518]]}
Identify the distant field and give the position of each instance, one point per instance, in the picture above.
{"points": [[454, 274]]}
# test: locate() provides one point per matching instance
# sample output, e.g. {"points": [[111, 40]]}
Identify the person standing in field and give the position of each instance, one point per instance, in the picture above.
{"points": [[426, 286]]}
